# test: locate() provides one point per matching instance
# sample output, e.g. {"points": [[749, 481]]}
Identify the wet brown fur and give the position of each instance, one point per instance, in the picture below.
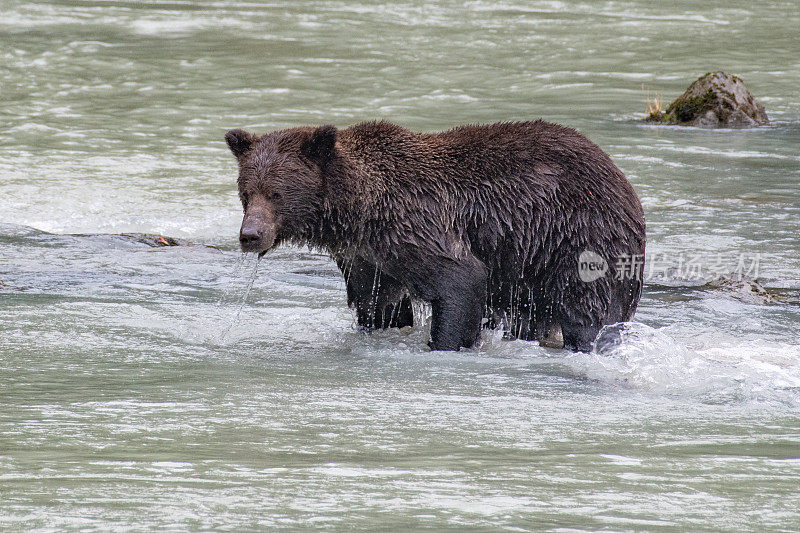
{"points": [[480, 221]]}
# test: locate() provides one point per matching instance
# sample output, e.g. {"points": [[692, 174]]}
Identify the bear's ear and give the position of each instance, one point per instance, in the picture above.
{"points": [[239, 141], [319, 147]]}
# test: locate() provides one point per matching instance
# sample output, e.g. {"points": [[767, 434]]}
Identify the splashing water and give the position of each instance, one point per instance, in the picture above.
{"points": [[647, 359]]}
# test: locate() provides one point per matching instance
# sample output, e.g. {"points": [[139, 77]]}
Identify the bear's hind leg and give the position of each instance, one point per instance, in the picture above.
{"points": [[380, 301], [554, 338], [578, 337], [402, 313]]}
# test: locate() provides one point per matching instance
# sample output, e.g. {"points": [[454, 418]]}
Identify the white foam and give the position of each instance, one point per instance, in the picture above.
{"points": [[650, 360]]}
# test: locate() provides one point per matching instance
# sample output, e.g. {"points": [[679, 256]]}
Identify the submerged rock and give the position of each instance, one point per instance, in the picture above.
{"points": [[716, 100], [150, 239], [154, 240], [749, 290], [742, 288]]}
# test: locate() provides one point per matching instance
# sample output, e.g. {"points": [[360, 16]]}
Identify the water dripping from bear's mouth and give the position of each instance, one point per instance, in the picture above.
{"points": [[225, 299]]}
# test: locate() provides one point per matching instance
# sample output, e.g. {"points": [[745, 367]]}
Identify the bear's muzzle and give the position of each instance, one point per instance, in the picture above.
{"points": [[256, 235]]}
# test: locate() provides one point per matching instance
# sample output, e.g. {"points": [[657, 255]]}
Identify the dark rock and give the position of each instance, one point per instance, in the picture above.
{"points": [[716, 100]]}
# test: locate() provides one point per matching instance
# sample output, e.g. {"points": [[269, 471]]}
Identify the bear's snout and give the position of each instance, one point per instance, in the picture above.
{"points": [[256, 236], [249, 235]]}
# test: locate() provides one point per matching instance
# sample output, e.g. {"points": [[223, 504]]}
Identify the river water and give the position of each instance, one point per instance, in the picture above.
{"points": [[188, 387]]}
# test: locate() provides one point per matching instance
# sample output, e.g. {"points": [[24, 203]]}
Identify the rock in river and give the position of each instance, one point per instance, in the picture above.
{"points": [[716, 100]]}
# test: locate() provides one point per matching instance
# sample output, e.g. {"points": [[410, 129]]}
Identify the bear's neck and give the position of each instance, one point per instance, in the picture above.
{"points": [[340, 228]]}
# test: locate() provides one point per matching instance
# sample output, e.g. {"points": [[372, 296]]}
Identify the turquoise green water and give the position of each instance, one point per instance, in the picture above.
{"points": [[187, 387]]}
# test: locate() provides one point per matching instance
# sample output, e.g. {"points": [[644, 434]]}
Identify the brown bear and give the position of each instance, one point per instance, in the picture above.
{"points": [[528, 226]]}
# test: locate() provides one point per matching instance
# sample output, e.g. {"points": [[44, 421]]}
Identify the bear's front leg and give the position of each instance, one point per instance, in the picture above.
{"points": [[456, 290]]}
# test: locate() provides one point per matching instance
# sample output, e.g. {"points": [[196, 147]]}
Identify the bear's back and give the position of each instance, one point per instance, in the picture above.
{"points": [[505, 180]]}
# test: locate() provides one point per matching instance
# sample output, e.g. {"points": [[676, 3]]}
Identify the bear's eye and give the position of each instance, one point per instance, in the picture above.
{"points": [[276, 196]]}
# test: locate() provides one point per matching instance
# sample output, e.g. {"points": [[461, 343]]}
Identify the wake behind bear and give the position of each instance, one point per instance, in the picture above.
{"points": [[528, 226]]}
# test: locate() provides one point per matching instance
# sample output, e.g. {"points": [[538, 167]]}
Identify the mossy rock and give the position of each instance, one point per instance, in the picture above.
{"points": [[716, 100]]}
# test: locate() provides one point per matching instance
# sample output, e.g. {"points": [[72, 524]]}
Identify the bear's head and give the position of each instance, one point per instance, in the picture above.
{"points": [[281, 183]]}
